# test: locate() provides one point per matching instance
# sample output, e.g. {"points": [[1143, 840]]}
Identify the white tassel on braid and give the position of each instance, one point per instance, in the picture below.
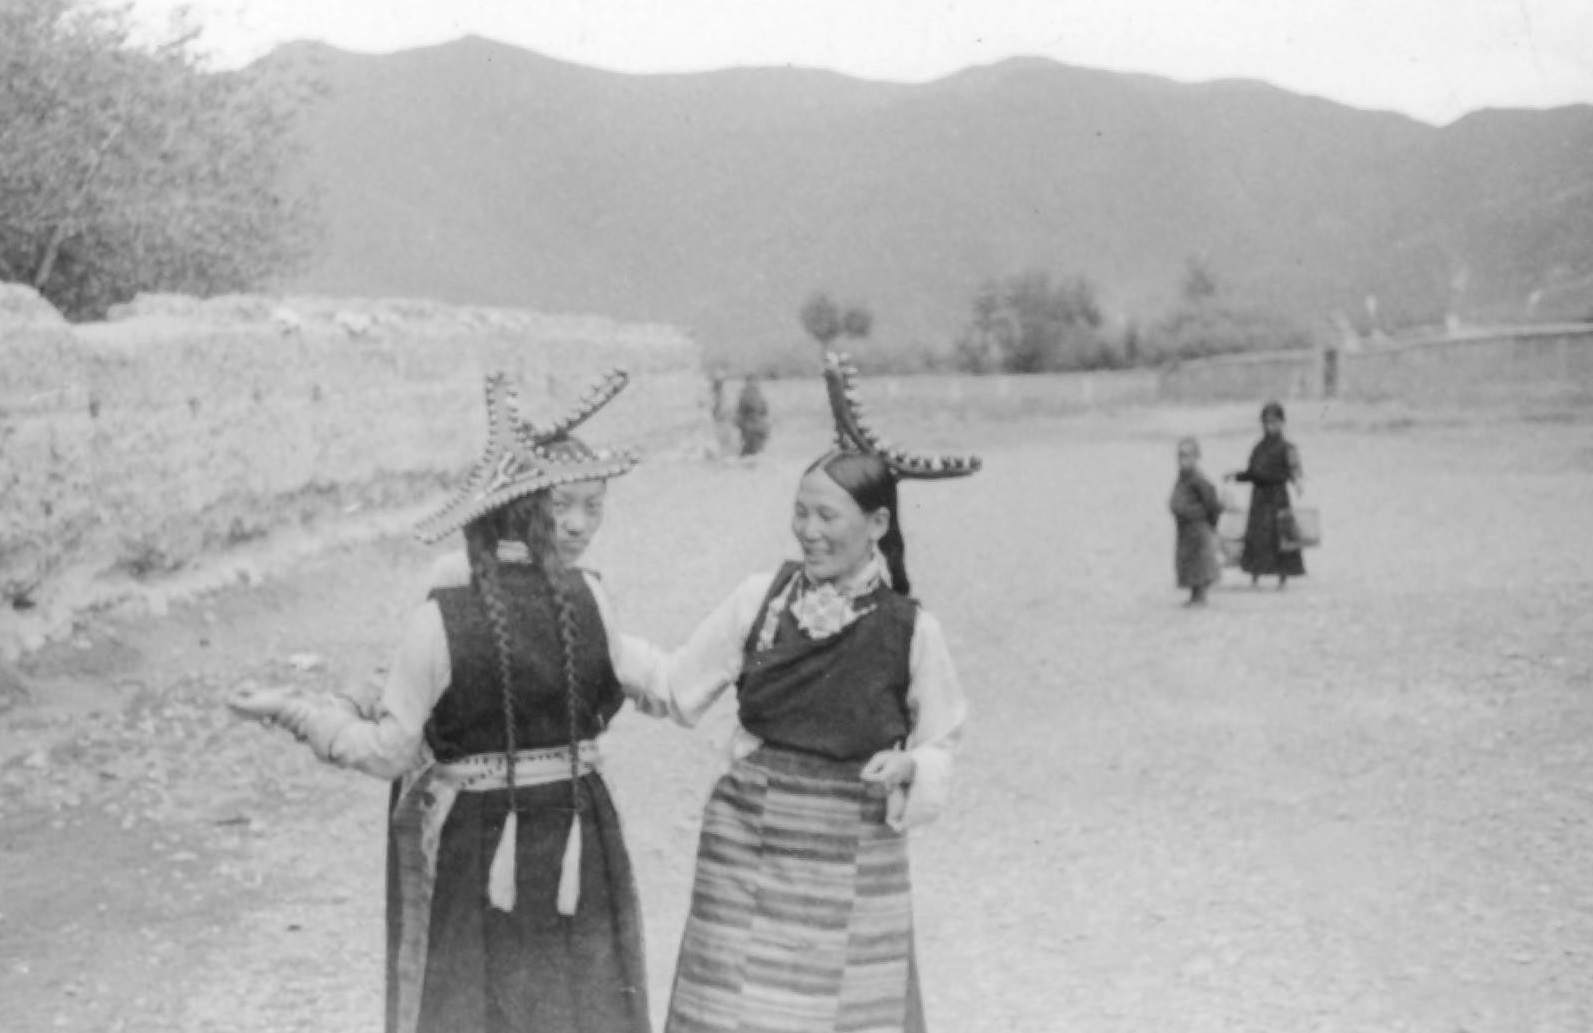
{"points": [[570, 870], [431, 797], [500, 876]]}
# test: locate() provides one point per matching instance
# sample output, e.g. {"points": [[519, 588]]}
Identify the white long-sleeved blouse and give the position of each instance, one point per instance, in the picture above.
{"points": [[386, 737], [688, 680]]}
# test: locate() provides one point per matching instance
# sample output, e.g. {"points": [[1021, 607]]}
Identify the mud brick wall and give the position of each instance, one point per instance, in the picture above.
{"points": [[957, 397], [1537, 361], [1256, 376], [147, 426]]}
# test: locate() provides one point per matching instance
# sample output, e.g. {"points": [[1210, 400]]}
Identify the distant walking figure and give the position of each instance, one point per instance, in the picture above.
{"points": [[1195, 507], [716, 393], [752, 417], [727, 439], [1274, 464]]}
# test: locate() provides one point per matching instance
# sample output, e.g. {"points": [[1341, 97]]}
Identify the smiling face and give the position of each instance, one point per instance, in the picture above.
{"points": [[837, 536], [577, 512]]}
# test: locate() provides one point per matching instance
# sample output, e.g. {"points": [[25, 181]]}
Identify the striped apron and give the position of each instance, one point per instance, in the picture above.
{"points": [[801, 910]]}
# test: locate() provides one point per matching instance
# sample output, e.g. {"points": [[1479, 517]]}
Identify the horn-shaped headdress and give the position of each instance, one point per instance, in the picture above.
{"points": [[522, 457], [853, 435]]}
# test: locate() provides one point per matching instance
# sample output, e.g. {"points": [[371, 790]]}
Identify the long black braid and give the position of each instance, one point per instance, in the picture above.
{"points": [[529, 521], [546, 562], [481, 545]]}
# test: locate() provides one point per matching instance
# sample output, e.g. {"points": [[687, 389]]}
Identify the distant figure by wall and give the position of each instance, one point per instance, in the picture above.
{"points": [[752, 417], [716, 392], [727, 439]]}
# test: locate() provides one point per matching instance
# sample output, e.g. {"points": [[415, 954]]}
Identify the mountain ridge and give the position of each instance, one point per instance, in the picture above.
{"points": [[477, 171]]}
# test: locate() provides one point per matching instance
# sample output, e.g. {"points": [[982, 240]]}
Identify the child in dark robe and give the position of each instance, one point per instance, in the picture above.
{"points": [[1195, 507]]}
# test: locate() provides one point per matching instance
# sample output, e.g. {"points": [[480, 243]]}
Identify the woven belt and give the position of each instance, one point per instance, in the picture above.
{"points": [[430, 794]]}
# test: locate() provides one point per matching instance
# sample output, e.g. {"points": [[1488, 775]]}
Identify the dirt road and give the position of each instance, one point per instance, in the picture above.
{"points": [[1364, 804]]}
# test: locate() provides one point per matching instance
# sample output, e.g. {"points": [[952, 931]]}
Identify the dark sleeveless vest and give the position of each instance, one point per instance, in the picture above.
{"points": [[842, 697], [468, 718]]}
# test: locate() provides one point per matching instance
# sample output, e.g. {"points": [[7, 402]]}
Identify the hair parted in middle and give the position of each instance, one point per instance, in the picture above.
{"points": [[868, 467], [871, 483]]}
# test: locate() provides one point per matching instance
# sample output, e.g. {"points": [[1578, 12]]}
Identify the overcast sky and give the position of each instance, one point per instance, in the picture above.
{"points": [[1434, 59]]}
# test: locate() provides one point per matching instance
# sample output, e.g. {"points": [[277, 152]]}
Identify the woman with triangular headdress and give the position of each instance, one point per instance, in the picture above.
{"points": [[849, 711], [511, 903]]}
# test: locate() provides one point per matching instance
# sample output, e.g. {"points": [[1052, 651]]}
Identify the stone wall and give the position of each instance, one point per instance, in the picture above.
{"points": [[961, 396], [174, 426], [1484, 364], [1500, 363], [1256, 375]]}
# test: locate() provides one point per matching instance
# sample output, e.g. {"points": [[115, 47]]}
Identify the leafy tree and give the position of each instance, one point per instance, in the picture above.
{"points": [[1029, 323], [1200, 331], [1200, 283], [824, 320], [821, 318], [979, 348], [128, 167], [1208, 322], [857, 321]]}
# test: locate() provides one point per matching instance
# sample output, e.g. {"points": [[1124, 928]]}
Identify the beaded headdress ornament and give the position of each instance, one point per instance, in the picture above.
{"points": [[523, 457], [852, 434]]}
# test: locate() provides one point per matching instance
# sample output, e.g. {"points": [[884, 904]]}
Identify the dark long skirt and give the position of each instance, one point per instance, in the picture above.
{"points": [[1261, 554], [801, 909], [1195, 559], [459, 965]]}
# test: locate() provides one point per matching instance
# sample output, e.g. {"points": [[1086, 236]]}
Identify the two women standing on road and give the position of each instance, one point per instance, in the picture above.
{"points": [[511, 900]]}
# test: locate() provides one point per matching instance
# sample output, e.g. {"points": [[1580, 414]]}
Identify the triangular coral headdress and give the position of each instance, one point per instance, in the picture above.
{"points": [[853, 435], [522, 457]]}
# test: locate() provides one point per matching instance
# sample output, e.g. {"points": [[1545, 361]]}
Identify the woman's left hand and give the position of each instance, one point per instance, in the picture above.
{"points": [[889, 769], [263, 705], [312, 721]]}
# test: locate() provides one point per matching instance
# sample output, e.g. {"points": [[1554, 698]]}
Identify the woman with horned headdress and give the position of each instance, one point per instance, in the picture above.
{"points": [[849, 711], [511, 903]]}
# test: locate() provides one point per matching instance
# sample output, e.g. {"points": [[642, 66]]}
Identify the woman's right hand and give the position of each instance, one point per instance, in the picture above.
{"points": [[889, 769]]}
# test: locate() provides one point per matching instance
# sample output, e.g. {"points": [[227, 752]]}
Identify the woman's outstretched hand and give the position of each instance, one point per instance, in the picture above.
{"points": [[263, 705], [311, 721]]}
